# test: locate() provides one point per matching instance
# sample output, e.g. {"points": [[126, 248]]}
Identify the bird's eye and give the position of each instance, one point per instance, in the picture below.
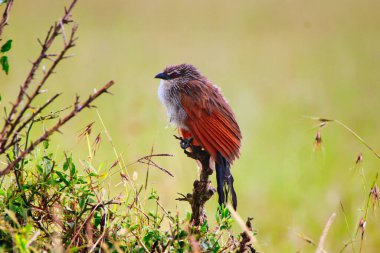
{"points": [[173, 74]]}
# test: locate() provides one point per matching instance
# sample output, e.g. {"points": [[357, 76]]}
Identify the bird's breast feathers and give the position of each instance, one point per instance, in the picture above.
{"points": [[170, 99]]}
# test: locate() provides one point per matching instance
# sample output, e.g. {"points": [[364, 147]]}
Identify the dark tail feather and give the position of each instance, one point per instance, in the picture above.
{"points": [[225, 181], [219, 179]]}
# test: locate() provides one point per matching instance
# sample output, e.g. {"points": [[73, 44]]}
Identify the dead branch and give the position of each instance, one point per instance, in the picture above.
{"points": [[76, 109], [44, 79], [36, 92], [4, 20], [15, 138], [14, 117], [148, 160], [245, 243]]}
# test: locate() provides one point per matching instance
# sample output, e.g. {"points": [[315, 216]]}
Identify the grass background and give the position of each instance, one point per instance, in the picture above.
{"points": [[275, 62]]}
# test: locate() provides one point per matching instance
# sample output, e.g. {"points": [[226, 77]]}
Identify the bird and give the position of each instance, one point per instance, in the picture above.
{"points": [[201, 113]]}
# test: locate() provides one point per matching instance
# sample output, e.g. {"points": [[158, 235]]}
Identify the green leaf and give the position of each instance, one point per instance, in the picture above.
{"points": [[182, 234], [204, 227], [46, 144], [66, 164], [82, 202], [11, 155], [97, 219], [63, 178], [4, 63], [40, 169], [134, 227], [69, 165], [153, 195], [72, 169], [7, 46]]}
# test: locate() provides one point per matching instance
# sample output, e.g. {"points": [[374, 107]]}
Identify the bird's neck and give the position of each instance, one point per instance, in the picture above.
{"points": [[168, 93]]}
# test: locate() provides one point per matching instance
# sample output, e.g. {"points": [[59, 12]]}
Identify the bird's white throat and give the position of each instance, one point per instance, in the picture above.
{"points": [[171, 101]]}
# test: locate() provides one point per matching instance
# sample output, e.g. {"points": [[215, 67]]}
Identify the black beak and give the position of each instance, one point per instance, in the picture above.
{"points": [[162, 76]]}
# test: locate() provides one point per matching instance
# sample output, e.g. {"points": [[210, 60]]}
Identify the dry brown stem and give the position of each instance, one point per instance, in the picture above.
{"points": [[245, 243]]}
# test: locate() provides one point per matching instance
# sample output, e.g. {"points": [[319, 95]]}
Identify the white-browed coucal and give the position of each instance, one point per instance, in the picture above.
{"points": [[197, 107]]}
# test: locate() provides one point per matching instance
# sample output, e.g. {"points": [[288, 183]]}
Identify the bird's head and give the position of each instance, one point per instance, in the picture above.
{"points": [[179, 73]]}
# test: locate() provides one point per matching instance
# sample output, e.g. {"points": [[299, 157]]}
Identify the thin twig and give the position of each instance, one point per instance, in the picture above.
{"points": [[81, 226], [150, 162], [147, 168], [244, 226], [140, 242], [324, 121], [324, 234], [4, 20], [77, 108], [27, 121], [43, 81], [52, 33], [363, 220], [118, 156], [348, 229], [145, 160], [36, 234], [306, 239]]}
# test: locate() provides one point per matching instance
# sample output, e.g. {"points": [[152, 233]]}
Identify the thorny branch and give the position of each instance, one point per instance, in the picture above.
{"points": [[7, 137], [44, 79], [4, 20], [16, 120], [77, 108]]}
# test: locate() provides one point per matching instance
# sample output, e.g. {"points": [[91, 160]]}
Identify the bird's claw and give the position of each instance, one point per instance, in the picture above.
{"points": [[188, 197], [196, 152], [185, 143]]}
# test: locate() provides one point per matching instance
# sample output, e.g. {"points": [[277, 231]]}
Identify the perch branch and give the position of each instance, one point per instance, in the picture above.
{"points": [[203, 190]]}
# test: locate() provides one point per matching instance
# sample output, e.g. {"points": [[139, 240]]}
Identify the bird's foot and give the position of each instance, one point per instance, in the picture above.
{"points": [[185, 143], [188, 197], [195, 152]]}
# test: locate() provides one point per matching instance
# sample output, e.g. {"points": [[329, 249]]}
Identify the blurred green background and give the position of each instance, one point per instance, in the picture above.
{"points": [[275, 61]]}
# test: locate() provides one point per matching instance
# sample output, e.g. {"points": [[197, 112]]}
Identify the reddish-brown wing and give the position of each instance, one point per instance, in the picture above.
{"points": [[210, 119]]}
